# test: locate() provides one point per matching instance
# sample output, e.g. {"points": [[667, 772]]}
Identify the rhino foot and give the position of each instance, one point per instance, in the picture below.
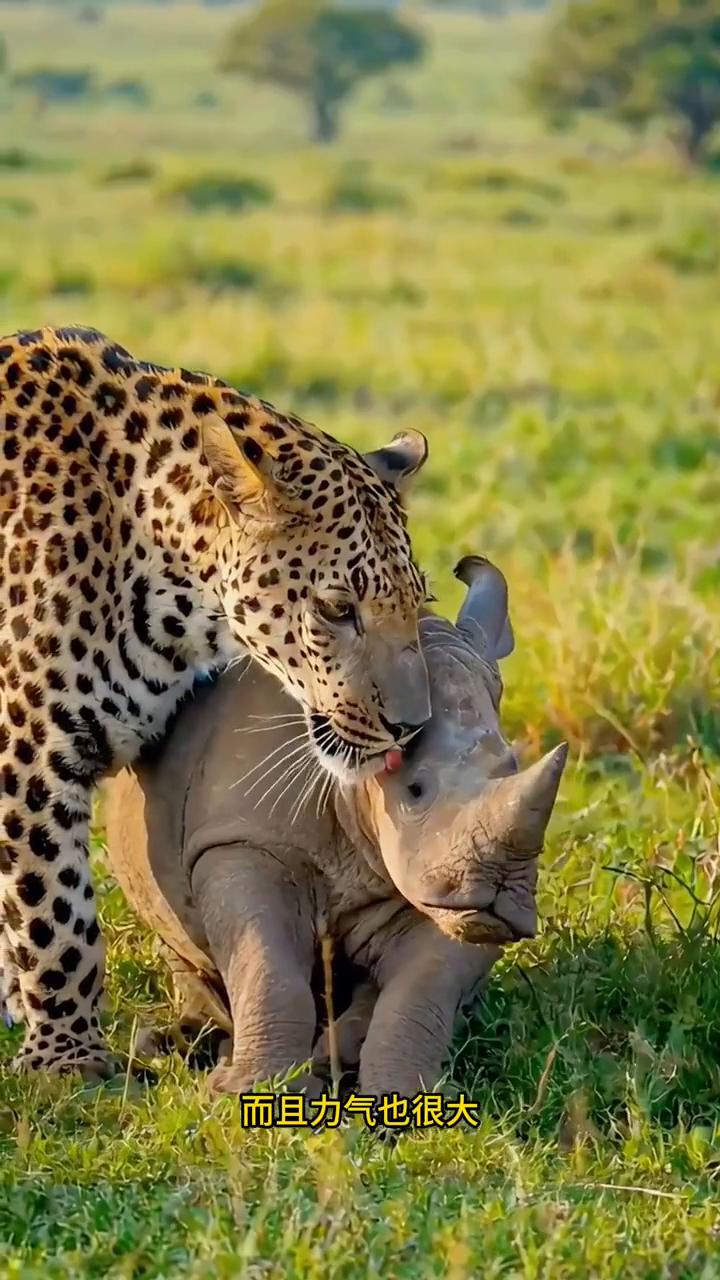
{"points": [[236, 1079]]}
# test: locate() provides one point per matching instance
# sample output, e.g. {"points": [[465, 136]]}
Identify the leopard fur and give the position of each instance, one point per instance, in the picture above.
{"points": [[154, 525]]}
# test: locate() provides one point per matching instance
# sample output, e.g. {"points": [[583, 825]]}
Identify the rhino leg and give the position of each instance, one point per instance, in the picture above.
{"points": [[350, 1031], [259, 925], [423, 977]]}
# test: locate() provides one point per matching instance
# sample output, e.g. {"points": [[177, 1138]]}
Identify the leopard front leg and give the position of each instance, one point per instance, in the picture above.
{"points": [[52, 942], [11, 1009]]}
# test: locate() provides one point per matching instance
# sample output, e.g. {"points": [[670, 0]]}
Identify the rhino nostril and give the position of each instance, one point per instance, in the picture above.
{"points": [[443, 889], [505, 765]]}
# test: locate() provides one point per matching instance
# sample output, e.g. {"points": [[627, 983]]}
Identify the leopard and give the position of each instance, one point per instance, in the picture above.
{"points": [[158, 525]]}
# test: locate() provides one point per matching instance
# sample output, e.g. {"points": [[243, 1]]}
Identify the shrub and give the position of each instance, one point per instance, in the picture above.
{"points": [[356, 193], [692, 450], [17, 158], [72, 280], [134, 91], [8, 278], [695, 250], [523, 216], [206, 100], [221, 191], [219, 274], [498, 178], [16, 206], [57, 84], [129, 171]]}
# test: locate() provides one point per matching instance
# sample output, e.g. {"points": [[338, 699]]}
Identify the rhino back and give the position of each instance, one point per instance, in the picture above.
{"points": [[198, 791]]}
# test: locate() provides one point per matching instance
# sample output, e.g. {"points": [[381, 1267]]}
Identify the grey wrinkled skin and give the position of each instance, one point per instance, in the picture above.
{"points": [[419, 877]]}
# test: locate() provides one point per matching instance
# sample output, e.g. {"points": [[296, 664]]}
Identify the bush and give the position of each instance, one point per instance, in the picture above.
{"points": [[54, 84], [72, 280], [17, 158], [8, 279], [134, 91], [523, 216], [627, 219], [691, 451], [129, 171], [224, 273], [16, 206], [395, 97], [356, 193], [222, 191], [501, 179], [693, 251], [206, 100]]}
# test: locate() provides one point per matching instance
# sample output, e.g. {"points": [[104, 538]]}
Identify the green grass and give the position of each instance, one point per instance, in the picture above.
{"points": [[544, 307]]}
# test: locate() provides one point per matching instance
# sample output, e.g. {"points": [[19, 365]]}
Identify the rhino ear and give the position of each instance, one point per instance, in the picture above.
{"points": [[483, 618], [399, 462]]}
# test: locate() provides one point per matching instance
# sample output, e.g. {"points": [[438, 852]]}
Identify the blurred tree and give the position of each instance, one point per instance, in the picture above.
{"points": [[637, 58], [319, 52]]}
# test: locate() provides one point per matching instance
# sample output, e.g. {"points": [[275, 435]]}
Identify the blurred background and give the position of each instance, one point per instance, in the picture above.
{"points": [[496, 221]]}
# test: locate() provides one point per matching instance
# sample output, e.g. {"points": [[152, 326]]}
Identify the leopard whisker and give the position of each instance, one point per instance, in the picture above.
{"points": [[296, 774], [293, 770], [286, 759], [307, 791], [266, 759]]}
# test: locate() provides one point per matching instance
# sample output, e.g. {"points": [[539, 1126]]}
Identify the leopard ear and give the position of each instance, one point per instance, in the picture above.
{"points": [[399, 462], [240, 469]]}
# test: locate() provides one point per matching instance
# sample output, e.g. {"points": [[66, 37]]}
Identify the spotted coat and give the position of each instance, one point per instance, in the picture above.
{"points": [[154, 524]]}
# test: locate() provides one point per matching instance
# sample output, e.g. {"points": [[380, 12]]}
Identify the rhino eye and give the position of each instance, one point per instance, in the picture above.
{"points": [[416, 790]]}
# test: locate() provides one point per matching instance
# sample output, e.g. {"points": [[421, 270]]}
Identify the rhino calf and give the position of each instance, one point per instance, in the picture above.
{"points": [[419, 875]]}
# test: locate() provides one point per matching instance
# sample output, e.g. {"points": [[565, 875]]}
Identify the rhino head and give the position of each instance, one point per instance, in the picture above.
{"points": [[458, 827]]}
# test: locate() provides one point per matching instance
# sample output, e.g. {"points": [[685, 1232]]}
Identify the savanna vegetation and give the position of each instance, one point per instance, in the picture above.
{"points": [[540, 297]]}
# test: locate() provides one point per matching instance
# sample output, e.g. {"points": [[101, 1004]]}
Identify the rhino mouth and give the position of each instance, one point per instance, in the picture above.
{"points": [[477, 926]]}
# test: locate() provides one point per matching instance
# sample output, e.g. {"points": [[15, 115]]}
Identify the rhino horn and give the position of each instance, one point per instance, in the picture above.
{"points": [[483, 618], [520, 806]]}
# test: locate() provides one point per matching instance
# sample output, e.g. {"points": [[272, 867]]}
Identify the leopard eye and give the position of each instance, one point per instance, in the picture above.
{"points": [[338, 611]]}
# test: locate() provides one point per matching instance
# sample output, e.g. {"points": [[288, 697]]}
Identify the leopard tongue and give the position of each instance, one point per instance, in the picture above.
{"points": [[393, 760]]}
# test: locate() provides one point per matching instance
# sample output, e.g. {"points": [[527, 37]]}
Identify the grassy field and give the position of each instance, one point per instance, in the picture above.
{"points": [[544, 307]]}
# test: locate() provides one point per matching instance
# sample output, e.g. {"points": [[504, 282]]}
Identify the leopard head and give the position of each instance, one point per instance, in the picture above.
{"points": [[318, 580]]}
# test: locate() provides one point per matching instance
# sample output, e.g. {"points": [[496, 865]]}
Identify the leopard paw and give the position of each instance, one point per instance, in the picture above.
{"points": [[93, 1062]]}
